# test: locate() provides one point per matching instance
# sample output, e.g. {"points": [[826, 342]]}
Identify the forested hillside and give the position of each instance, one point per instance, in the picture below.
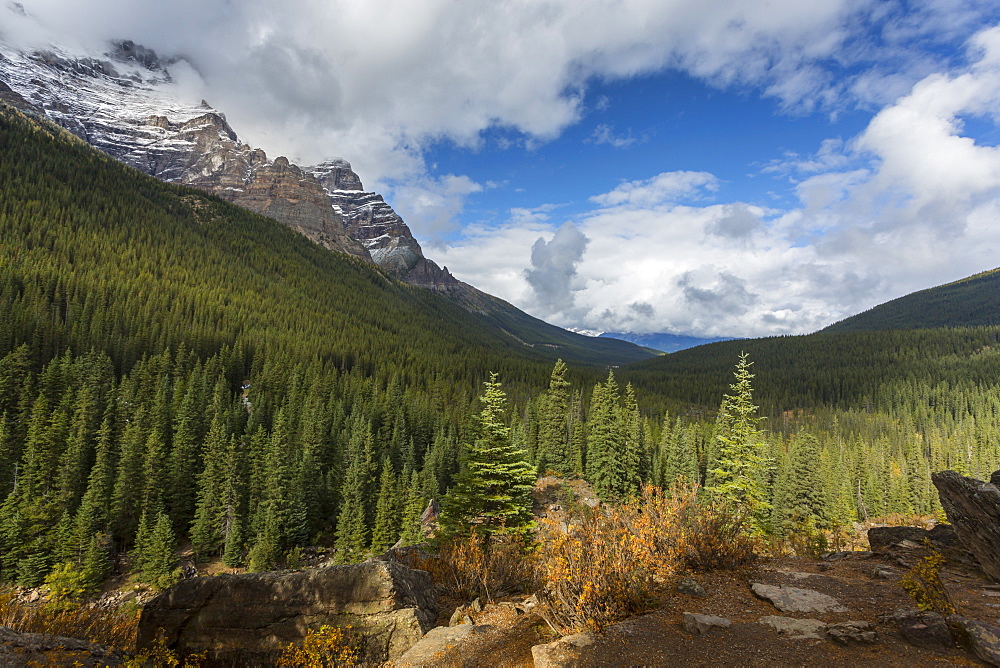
{"points": [[178, 371], [970, 302]]}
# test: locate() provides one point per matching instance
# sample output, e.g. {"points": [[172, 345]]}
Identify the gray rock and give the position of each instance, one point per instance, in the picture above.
{"points": [[690, 587], [562, 653], [980, 638], [846, 633], [460, 616], [249, 619], [973, 508], [795, 628], [437, 641], [923, 628], [699, 625], [882, 539], [41, 649], [882, 572], [794, 599]]}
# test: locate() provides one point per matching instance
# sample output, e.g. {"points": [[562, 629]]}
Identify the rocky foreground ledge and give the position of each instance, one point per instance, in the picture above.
{"points": [[246, 620]]}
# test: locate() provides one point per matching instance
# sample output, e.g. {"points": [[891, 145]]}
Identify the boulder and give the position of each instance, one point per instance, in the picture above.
{"points": [[796, 629], [881, 539], [980, 638], [564, 652], [248, 619], [923, 628], [973, 508], [882, 572], [794, 599], [846, 633], [437, 641], [690, 587], [699, 625]]}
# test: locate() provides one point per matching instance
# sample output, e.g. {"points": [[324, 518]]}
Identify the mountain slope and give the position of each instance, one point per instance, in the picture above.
{"points": [[125, 104], [91, 250], [970, 302]]}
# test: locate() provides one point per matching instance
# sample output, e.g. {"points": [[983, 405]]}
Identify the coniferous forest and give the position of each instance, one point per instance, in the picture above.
{"points": [[178, 371]]}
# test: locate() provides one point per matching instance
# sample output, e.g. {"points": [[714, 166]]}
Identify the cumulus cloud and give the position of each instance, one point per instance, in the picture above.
{"points": [[553, 268], [375, 82], [378, 82], [660, 189], [909, 203]]}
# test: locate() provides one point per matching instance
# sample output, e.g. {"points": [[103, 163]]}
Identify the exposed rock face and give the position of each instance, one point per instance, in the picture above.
{"points": [[126, 105], [565, 652], [923, 628], [247, 619], [373, 223], [981, 639], [796, 629], [973, 508]]}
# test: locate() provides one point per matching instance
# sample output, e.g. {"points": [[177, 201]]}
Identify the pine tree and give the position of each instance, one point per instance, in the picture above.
{"points": [[385, 530], [742, 463], [606, 463], [493, 493], [352, 524], [553, 437]]}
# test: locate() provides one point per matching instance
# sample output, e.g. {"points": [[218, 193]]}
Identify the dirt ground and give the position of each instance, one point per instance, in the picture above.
{"points": [[658, 638]]}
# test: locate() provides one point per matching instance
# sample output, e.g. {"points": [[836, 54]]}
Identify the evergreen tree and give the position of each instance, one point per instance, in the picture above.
{"points": [[553, 434], [352, 524], [742, 463], [385, 530], [493, 493]]}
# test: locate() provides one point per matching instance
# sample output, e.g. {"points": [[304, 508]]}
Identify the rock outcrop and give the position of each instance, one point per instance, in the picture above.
{"points": [[126, 104], [247, 619], [973, 508], [42, 649]]}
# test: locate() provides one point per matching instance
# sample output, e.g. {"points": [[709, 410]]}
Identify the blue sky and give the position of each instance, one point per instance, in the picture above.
{"points": [[702, 167]]}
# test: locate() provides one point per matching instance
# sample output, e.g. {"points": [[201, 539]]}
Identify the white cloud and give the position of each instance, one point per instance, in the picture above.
{"points": [[605, 134], [660, 189], [376, 81], [909, 203]]}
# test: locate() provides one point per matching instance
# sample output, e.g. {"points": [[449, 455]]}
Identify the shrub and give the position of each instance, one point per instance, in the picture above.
{"points": [[108, 627], [718, 536], [923, 583], [328, 646], [619, 562], [477, 566]]}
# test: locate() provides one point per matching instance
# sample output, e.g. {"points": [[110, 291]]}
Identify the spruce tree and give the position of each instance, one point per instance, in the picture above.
{"points": [[742, 463], [553, 434], [493, 493]]}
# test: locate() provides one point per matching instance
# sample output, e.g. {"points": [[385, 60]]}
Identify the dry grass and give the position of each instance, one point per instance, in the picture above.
{"points": [[115, 628], [479, 567]]}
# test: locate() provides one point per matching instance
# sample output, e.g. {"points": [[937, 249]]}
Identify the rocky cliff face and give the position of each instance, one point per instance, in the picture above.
{"points": [[125, 104]]}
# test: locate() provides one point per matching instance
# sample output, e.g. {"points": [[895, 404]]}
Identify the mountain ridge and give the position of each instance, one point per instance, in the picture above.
{"points": [[973, 301], [122, 105]]}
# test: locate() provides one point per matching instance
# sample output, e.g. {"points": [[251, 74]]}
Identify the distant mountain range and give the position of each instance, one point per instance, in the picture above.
{"points": [[664, 342]]}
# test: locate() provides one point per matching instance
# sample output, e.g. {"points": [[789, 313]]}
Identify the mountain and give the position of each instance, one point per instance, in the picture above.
{"points": [[172, 265], [124, 103], [668, 343], [947, 336], [970, 302]]}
